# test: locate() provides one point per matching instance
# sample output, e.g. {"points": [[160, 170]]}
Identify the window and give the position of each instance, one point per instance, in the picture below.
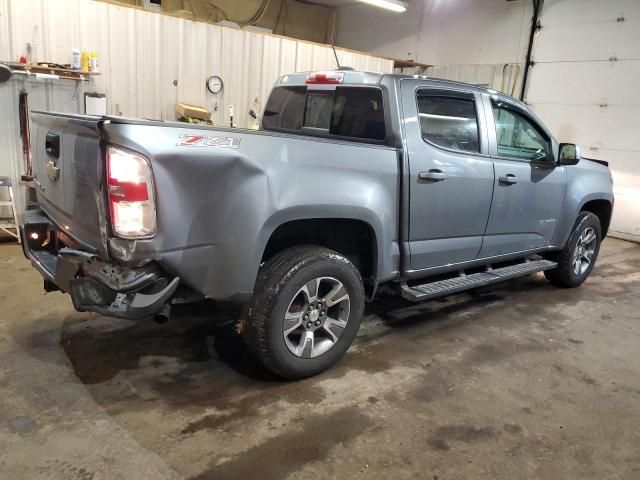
{"points": [[449, 122], [285, 108], [355, 112], [517, 136], [318, 110], [358, 112]]}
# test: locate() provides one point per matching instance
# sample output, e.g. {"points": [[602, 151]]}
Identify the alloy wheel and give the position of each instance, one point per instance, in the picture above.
{"points": [[316, 317], [584, 251]]}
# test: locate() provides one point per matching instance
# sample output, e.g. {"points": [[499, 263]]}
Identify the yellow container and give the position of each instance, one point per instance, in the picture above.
{"points": [[84, 61]]}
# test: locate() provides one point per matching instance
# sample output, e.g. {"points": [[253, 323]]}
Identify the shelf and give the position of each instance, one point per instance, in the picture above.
{"points": [[49, 73]]}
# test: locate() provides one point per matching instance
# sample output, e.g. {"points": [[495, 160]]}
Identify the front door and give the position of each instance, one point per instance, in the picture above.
{"points": [[529, 186], [450, 177]]}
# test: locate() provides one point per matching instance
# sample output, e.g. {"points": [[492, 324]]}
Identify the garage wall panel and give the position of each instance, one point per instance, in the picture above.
{"points": [[591, 126], [584, 85], [121, 66], [169, 68], [626, 177], [289, 56], [94, 29], [5, 33], [233, 71], [439, 32], [304, 57], [588, 41], [271, 70], [252, 78], [149, 67], [376, 30], [583, 12], [213, 61], [192, 61], [323, 58]]}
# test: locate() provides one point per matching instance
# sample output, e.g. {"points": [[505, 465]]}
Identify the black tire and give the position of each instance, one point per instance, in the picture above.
{"points": [[564, 275], [278, 284]]}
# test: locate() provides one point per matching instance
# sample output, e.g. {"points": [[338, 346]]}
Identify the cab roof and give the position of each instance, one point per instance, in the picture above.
{"points": [[357, 77]]}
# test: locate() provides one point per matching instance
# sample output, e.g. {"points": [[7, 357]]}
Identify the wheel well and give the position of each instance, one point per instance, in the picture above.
{"points": [[602, 209], [354, 239]]}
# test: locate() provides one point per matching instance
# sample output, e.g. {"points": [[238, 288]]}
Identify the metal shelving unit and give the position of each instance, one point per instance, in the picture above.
{"points": [[9, 224]]}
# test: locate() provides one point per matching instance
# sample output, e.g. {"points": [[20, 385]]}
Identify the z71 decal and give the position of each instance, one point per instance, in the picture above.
{"points": [[186, 140]]}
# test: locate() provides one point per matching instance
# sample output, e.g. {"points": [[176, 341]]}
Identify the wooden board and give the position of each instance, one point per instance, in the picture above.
{"points": [[62, 72]]}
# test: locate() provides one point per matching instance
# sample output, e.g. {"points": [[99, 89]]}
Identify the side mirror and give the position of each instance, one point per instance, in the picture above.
{"points": [[569, 154]]}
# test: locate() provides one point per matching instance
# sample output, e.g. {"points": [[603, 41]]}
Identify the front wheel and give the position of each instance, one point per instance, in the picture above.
{"points": [[577, 258], [306, 311]]}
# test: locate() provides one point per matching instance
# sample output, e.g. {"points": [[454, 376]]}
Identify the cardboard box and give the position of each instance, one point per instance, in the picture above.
{"points": [[192, 111]]}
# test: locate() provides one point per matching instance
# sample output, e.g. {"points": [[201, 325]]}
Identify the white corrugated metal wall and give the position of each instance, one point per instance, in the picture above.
{"points": [[585, 86], [141, 54]]}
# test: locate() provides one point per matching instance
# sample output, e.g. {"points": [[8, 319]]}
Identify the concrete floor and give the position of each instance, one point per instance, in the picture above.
{"points": [[523, 380]]}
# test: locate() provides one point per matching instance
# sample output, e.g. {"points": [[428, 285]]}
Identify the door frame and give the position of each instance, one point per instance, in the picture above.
{"points": [[550, 164], [518, 107], [408, 89]]}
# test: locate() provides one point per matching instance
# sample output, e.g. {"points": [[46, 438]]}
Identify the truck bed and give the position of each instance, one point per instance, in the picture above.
{"points": [[220, 193]]}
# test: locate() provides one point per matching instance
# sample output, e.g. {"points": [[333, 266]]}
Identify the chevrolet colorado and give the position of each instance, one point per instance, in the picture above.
{"points": [[356, 181]]}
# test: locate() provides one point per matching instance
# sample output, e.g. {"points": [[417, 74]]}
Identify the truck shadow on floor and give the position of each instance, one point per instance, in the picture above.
{"points": [[191, 363], [200, 337]]}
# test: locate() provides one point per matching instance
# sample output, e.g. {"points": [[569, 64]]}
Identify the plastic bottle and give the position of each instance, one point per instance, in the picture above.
{"points": [[93, 62], [85, 60], [75, 59]]}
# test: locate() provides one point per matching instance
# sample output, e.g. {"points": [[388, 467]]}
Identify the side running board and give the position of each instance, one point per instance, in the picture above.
{"points": [[441, 288]]}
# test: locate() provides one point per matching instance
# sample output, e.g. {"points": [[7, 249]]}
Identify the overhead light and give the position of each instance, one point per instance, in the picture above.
{"points": [[393, 5]]}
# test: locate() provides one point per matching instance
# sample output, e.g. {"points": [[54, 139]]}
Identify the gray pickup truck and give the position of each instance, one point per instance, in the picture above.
{"points": [[357, 183]]}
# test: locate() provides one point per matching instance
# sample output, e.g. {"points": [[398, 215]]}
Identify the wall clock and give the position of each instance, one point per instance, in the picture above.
{"points": [[214, 84]]}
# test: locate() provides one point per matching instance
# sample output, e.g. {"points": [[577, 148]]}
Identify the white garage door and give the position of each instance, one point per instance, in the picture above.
{"points": [[585, 85]]}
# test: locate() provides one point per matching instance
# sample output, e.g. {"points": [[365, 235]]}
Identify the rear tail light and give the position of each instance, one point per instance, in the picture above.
{"points": [[131, 197], [324, 78]]}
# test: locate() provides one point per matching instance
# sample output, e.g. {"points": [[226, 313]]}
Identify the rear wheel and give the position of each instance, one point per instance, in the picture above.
{"points": [[306, 311], [579, 255]]}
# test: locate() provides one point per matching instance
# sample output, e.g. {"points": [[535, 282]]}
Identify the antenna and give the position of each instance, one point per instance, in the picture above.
{"points": [[335, 53]]}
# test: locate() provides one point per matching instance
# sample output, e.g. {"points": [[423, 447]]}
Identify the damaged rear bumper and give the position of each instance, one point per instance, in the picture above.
{"points": [[98, 286], [89, 295]]}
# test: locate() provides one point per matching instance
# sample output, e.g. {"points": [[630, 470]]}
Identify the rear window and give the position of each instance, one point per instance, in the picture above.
{"points": [[355, 112]]}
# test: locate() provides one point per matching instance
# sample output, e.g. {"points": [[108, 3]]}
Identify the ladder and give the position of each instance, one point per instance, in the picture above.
{"points": [[9, 224]]}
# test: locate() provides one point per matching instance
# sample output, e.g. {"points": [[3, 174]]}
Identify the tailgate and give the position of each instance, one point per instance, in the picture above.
{"points": [[68, 175]]}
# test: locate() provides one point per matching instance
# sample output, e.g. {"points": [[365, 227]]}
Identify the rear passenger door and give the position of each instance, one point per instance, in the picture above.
{"points": [[529, 185], [450, 175]]}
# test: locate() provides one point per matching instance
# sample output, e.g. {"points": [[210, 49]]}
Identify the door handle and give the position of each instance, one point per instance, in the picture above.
{"points": [[508, 179], [433, 175]]}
